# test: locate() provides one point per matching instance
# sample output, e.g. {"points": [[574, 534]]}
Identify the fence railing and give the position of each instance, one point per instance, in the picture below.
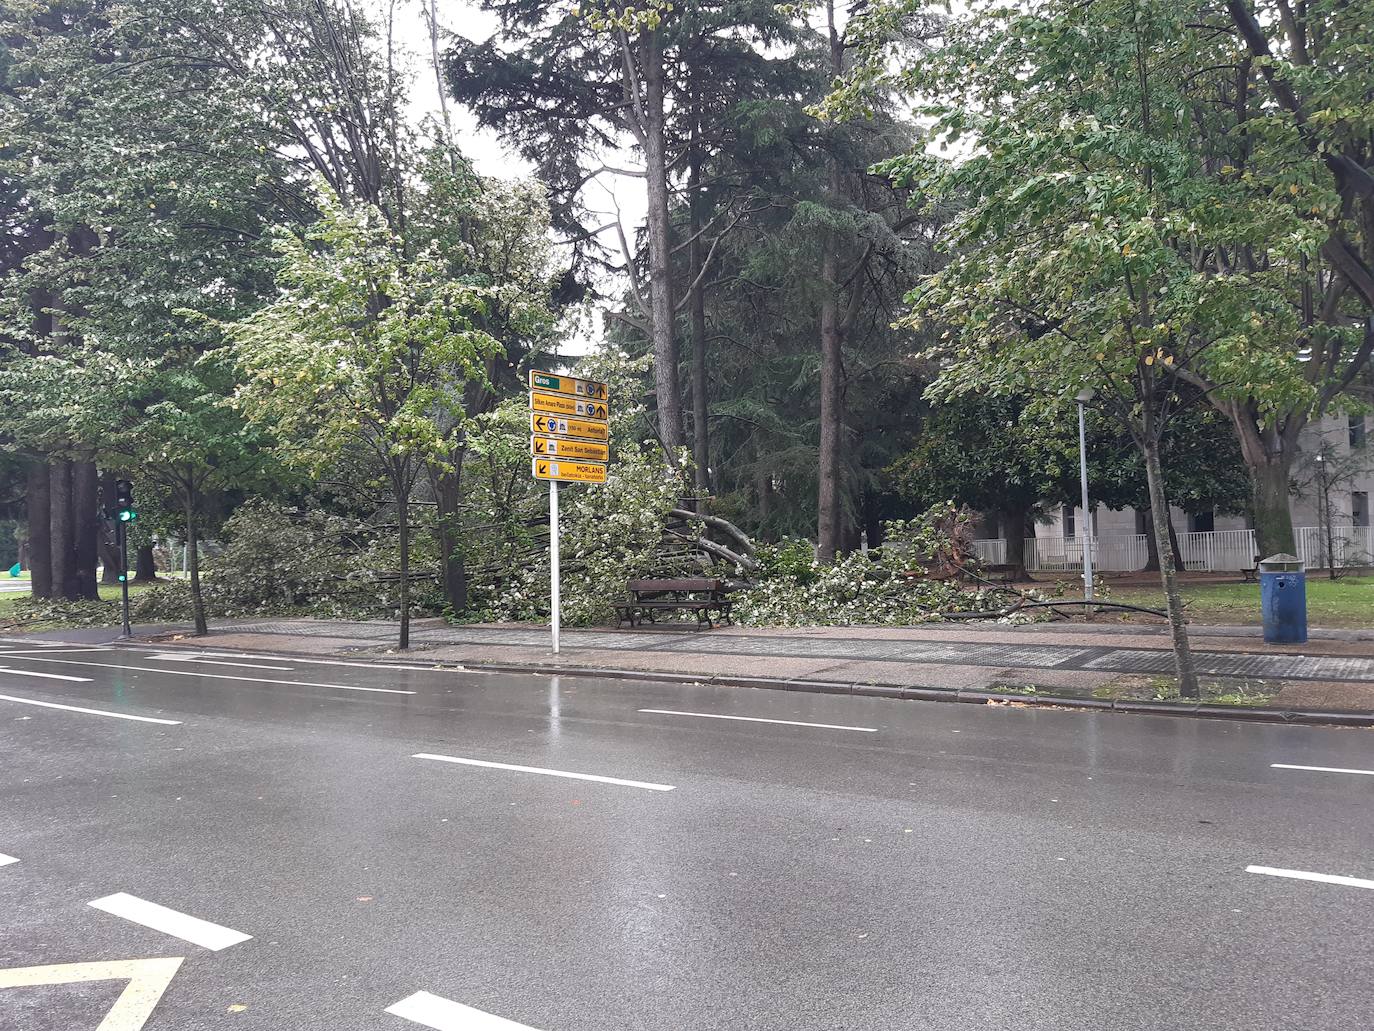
{"points": [[1212, 551], [1350, 545]]}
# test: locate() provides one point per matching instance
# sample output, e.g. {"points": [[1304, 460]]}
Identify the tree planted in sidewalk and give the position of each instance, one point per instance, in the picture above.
{"points": [[366, 350]]}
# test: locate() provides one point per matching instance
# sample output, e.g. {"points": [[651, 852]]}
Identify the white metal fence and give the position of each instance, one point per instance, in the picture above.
{"points": [[1351, 546], [1212, 551]]}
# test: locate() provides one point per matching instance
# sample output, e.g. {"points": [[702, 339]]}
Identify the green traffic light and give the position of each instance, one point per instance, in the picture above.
{"points": [[127, 515], [123, 577]]}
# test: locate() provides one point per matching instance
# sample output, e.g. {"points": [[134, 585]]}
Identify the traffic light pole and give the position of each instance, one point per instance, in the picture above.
{"points": [[123, 531]]}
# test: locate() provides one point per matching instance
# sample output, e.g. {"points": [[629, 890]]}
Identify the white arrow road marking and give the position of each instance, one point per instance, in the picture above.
{"points": [[445, 1015], [1303, 875], [547, 773], [7, 860], [148, 979], [45, 676], [219, 676], [1320, 769], [89, 712], [169, 921], [760, 719]]}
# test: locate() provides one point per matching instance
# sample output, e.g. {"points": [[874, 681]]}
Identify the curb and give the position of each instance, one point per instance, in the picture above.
{"points": [[1198, 710]]}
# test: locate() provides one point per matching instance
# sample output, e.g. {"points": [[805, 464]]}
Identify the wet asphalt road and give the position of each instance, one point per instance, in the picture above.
{"points": [[911, 866]]}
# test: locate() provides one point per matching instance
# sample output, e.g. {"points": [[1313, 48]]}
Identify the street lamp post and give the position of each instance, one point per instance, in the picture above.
{"points": [[1084, 396]]}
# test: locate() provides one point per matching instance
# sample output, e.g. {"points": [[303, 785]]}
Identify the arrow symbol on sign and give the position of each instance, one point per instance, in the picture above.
{"points": [[539, 447], [544, 468], [541, 423]]}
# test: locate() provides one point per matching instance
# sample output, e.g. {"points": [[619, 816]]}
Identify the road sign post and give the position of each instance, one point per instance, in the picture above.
{"points": [[569, 443]]}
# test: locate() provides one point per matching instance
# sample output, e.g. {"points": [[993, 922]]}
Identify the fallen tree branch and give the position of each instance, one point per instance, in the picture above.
{"points": [[744, 541]]}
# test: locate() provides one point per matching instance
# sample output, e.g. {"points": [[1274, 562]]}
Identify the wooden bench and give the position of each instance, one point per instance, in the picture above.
{"points": [[1251, 574], [700, 596]]}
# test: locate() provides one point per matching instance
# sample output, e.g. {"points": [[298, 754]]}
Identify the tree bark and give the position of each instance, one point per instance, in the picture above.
{"points": [[400, 486], [1014, 532], [109, 551], [666, 359], [39, 514], [1151, 543], [448, 494], [85, 528], [701, 415], [1178, 630], [145, 565], [1272, 516], [1174, 548], [64, 583], [829, 509], [193, 563]]}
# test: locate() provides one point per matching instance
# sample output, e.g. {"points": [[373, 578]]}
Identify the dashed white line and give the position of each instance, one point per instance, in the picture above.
{"points": [[442, 1014], [213, 662], [1320, 769], [7, 860], [89, 712], [544, 772], [1304, 875], [313, 662], [220, 676], [169, 921], [45, 676], [760, 719]]}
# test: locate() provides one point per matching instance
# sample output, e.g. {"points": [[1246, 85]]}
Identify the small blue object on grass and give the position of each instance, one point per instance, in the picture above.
{"points": [[15, 570], [1283, 599]]}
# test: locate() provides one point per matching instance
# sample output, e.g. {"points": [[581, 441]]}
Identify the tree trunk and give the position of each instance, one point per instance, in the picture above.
{"points": [[85, 528], [1178, 630], [666, 374], [193, 564], [403, 532], [64, 584], [1269, 488], [701, 449], [828, 516], [39, 514], [1151, 543], [448, 494], [145, 565], [1174, 547], [109, 551], [1014, 532]]}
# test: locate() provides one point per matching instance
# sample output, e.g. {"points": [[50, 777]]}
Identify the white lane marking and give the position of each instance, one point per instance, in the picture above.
{"points": [[45, 676], [89, 712], [169, 921], [313, 662], [220, 676], [148, 979], [1303, 875], [7, 860], [1320, 769], [52, 650], [547, 773], [212, 662], [446, 1015], [760, 719]]}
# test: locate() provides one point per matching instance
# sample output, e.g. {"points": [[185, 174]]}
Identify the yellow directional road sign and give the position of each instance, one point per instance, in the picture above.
{"points": [[568, 472], [147, 978], [587, 388], [559, 404], [555, 447], [569, 427]]}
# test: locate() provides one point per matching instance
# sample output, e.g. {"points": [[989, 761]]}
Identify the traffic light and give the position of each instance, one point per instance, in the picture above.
{"points": [[124, 501]]}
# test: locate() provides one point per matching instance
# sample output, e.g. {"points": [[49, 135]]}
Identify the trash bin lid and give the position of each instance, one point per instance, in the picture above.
{"points": [[1281, 563]]}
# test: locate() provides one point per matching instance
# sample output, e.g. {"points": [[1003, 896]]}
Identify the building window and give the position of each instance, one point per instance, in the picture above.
{"points": [[1357, 435], [1359, 508], [1070, 522], [1202, 522]]}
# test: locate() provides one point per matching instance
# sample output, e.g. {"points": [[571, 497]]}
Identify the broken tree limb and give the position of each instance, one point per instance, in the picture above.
{"points": [[719, 551], [726, 527]]}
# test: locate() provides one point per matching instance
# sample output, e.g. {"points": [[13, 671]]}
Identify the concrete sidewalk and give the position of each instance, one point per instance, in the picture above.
{"points": [[1334, 670]]}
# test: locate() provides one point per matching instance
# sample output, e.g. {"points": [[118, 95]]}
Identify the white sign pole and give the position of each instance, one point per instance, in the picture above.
{"points": [[553, 557]]}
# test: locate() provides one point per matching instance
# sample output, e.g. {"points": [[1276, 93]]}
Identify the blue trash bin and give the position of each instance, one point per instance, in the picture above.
{"points": [[1283, 599]]}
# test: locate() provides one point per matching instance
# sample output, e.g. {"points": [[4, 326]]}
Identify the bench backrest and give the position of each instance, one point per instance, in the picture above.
{"points": [[683, 585]]}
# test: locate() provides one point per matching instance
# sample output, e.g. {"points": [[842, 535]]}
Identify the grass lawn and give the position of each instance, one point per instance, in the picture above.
{"points": [[1348, 602]]}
